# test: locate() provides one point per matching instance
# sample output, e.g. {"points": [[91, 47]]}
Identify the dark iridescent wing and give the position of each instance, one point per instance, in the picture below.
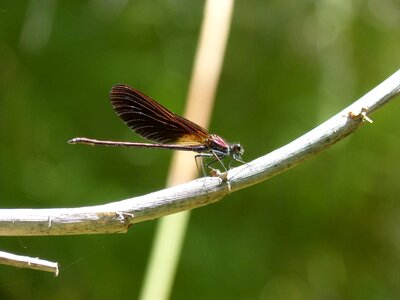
{"points": [[152, 121]]}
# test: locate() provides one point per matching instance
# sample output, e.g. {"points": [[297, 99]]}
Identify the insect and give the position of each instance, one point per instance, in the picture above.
{"points": [[164, 128]]}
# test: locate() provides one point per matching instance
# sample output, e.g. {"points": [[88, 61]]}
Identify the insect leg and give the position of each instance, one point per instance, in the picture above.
{"points": [[203, 165], [217, 155], [200, 166]]}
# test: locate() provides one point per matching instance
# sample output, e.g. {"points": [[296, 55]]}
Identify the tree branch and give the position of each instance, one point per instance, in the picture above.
{"points": [[119, 216]]}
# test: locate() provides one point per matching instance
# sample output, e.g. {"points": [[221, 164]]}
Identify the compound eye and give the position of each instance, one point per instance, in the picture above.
{"points": [[237, 148]]}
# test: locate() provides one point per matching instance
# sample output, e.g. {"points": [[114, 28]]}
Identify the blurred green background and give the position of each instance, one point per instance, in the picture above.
{"points": [[327, 229]]}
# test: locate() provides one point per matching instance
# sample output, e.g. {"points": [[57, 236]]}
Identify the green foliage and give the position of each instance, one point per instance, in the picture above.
{"points": [[328, 229]]}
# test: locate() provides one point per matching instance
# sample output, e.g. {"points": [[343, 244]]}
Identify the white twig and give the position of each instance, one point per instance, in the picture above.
{"points": [[118, 216], [325, 135], [28, 262]]}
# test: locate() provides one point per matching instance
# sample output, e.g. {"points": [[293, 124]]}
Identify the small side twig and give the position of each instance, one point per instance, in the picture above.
{"points": [[28, 262]]}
